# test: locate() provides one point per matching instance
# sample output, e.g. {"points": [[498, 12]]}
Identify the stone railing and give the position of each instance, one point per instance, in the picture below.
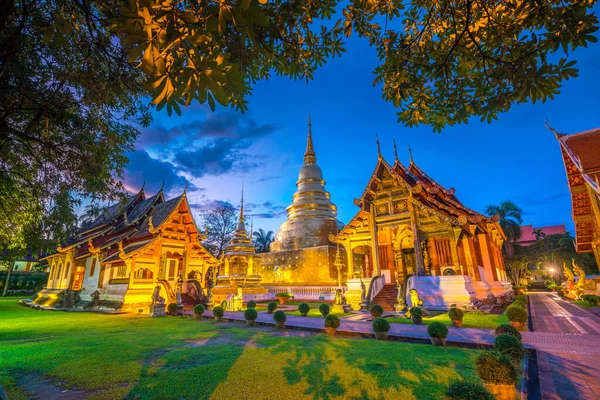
{"points": [[375, 287], [306, 292]]}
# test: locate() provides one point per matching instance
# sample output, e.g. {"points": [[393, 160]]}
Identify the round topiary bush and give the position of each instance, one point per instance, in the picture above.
{"points": [[510, 346], [468, 390], [251, 304], [251, 314], [456, 314], [506, 329], [172, 308], [324, 309], [218, 312], [496, 368], [304, 308], [332, 321], [376, 310], [516, 313], [199, 309], [521, 299], [381, 325], [416, 312], [279, 316], [437, 330], [272, 306]]}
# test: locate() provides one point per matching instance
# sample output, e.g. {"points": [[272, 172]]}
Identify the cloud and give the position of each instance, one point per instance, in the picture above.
{"points": [[143, 168], [265, 210]]}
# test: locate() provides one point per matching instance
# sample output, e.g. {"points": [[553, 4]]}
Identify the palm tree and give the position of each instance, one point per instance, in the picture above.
{"points": [[263, 240], [510, 221], [539, 234]]}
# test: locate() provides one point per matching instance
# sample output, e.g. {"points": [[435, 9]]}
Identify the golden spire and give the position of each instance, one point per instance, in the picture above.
{"points": [[410, 153], [378, 148], [395, 152], [310, 158], [242, 206]]}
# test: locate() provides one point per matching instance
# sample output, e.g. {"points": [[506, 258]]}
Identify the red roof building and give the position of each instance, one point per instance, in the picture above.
{"points": [[528, 233]]}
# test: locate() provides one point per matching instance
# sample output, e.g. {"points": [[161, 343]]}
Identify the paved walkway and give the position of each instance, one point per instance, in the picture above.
{"points": [[568, 351]]}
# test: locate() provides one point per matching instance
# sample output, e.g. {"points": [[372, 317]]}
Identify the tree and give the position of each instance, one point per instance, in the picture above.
{"points": [[539, 234], [221, 222], [517, 269], [68, 96], [510, 221], [263, 240], [440, 62]]}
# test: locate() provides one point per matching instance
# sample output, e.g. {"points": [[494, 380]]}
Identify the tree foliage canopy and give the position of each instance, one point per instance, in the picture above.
{"points": [[220, 222]]}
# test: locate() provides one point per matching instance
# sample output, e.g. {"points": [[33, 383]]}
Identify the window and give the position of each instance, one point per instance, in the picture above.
{"points": [[443, 251], [172, 267], [143, 273], [121, 271], [93, 267], [67, 268]]}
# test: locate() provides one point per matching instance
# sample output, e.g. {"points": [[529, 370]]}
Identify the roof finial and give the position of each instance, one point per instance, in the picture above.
{"points": [[162, 186], [143, 185], [185, 188], [310, 157], [251, 226], [410, 153], [395, 152], [378, 148], [242, 205]]}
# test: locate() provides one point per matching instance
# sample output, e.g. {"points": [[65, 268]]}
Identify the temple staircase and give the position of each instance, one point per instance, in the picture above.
{"points": [[386, 298]]}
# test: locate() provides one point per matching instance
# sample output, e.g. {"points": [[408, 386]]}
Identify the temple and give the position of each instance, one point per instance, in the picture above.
{"points": [[129, 250], [302, 253], [582, 164], [413, 233]]}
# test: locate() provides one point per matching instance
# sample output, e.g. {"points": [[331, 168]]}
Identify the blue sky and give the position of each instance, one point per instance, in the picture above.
{"points": [[514, 158]]}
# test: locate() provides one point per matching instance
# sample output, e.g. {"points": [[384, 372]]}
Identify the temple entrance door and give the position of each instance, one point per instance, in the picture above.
{"points": [[362, 259], [78, 278], [409, 261]]}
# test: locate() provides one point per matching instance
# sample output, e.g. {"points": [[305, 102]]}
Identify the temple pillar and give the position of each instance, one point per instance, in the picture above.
{"points": [[470, 252], [414, 224], [226, 266], [350, 258], [488, 267], [374, 241], [250, 265]]}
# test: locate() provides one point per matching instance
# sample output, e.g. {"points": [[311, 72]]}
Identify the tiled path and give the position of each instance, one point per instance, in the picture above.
{"points": [[569, 352]]}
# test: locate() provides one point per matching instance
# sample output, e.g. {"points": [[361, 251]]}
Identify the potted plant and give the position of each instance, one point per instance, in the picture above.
{"points": [[498, 373], [324, 309], [218, 313], [416, 314], [466, 390], [381, 328], [283, 297], [456, 316], [172, 309], [279, 317], [304, 309], [250, 315], [198, 310], [272, 306], [517, 316], [437, 333], [510, 346], [332, 322], [506, 329], [376, 310], [251, 304]]}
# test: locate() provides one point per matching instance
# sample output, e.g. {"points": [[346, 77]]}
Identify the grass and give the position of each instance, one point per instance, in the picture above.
{"points": [[314, 313], [585, 304], [133, 356], [472, 319]]}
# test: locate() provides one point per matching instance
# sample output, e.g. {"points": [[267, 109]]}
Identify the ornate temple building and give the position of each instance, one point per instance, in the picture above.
{"points": [[581, 156], [302, 253], [410, 225], [131, 248]]}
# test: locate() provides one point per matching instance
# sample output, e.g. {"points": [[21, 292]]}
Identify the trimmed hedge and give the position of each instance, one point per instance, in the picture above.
{"points": [[304, 308], [497, 368], [279, 316], [376, 310], [332, 321], [591, 298], [521, 299], [516, 313], [218, 311], [251, 304], [506, 329], [456, 314], [199, 309], [468, 390], [381, 325], [437, 330], [272, 306], [172, 308], [250, 314], [324, 309], [416, 312], [510, 346]]}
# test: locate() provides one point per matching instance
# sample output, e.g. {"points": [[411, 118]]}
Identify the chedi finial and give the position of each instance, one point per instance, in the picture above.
{"points": [[310, 158]]}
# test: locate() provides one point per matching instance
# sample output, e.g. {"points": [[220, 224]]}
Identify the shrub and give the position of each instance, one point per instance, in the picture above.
{"points": [[437, 330], [552, 286], [332, 321], [381, 325], [456, 314], [510, 346], [324, 309], [172, 308], [272, 306], [468, 390], [521, 299], [218, 311], [250, 314], [224, 304], [416, 312], [516, 314], [287, 295], [496, 368], [251, 304], [279, 316], [199, 309], [376, 310], [506, 329], [304, 308], [591, 298]]}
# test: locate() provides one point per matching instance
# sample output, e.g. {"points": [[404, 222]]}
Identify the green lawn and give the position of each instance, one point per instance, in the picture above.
{"points": [[472, 319], [314, 313], [133, 356]]}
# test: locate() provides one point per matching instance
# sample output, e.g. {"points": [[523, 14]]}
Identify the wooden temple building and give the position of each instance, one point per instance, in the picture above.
{"points": [[118, 260], [581, 156]]}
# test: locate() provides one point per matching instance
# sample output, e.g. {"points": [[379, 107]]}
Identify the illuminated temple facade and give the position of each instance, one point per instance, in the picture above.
{"points": [[131, 248], [302, 253]]}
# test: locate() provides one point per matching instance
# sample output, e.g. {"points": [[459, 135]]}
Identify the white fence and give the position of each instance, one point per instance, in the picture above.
{"points": [[306, 292]]}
